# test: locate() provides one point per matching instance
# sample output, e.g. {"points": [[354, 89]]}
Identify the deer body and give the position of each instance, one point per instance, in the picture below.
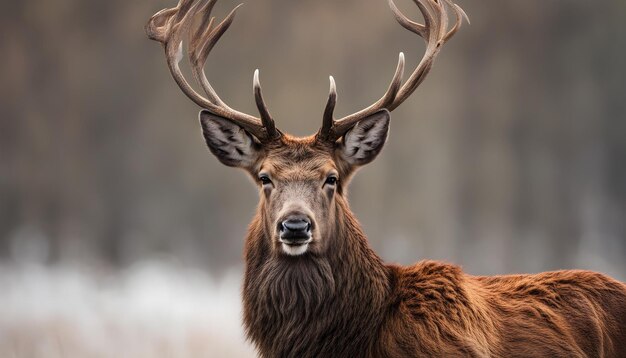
{"points": [[348, 303], [313, 286]]}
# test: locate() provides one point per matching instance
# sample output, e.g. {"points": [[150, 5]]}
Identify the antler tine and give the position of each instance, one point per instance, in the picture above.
{"points": [[460, 15], [435, 32], [339, 127], [169, 26], [434, 44], [406, 22], [395, 84], [201, 46], [207, 20], [266, 117], [202, 31], [443, 24], [327, 121]]}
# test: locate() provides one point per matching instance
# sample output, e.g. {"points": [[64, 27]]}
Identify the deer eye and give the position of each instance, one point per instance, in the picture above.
{"points": [[331, 180], [265, 180]]}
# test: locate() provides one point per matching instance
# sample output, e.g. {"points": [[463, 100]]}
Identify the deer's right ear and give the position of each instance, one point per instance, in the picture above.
{"points": [[230, 143]]}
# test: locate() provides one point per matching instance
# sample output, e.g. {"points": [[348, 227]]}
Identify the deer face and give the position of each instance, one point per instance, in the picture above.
{"points": [[299, 179]]}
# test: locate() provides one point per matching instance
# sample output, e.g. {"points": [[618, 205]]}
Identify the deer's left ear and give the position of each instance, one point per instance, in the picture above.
{"points": [[366, 139]]}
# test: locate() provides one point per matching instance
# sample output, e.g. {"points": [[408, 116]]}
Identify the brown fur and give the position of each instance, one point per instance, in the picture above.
{"points": [[345, 302]]}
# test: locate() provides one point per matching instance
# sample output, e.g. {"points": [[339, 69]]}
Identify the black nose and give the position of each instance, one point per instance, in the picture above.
{"points": [[295, 228], [297, 225]]}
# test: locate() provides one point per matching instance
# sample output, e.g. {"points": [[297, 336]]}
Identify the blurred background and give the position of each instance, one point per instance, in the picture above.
{"points": [[120, 235]]}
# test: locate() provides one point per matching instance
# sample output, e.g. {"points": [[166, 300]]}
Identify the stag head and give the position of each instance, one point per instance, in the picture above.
{"points": [[302, 181]]}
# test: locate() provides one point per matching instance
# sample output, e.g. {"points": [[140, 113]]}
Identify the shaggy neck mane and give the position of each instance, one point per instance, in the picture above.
{"points": [[314, 305]]}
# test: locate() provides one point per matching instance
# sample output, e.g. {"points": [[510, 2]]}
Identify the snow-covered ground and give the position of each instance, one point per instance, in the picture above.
{"points": [[151, 309]]}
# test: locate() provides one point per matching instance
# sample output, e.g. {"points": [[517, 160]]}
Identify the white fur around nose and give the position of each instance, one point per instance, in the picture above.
{"points": [[295, 250]]}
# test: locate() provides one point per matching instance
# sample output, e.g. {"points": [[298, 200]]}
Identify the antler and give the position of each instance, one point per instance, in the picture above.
{"points": [[170, 26], [434, 31]]}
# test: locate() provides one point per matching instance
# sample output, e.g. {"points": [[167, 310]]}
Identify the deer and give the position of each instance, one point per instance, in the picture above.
{"points": [[313, 286]]}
